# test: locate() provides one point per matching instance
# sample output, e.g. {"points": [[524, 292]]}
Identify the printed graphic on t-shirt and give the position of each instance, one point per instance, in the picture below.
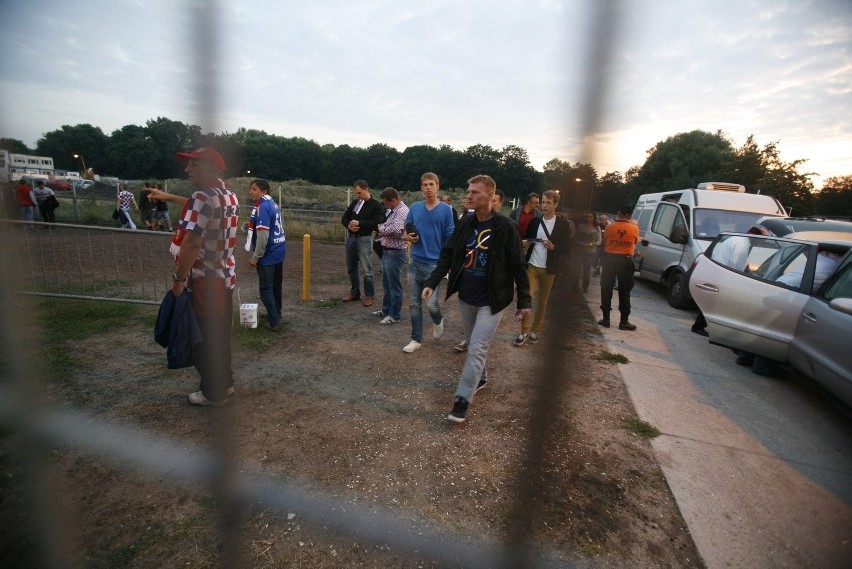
{"points": [[477, 251], [474, 286]]}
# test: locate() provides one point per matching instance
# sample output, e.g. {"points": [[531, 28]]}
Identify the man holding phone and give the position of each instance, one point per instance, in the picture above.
{"points": [[428, 226]]}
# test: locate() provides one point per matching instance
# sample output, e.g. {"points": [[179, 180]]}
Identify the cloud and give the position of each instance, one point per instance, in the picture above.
{"points": [[448, 71]]}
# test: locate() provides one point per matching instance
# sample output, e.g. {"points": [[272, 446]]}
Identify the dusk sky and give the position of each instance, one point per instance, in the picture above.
{"points": [[457, 72]]}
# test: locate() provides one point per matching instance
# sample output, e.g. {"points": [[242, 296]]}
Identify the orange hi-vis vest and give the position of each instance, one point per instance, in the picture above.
{"points": [[620, 237]]}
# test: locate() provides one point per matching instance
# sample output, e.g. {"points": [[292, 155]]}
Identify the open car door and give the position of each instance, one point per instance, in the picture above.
{"points": [[821, 344], [750, 291]]}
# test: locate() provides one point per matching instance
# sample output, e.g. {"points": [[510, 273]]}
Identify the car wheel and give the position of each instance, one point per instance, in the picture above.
{"points": [[678, 296]]}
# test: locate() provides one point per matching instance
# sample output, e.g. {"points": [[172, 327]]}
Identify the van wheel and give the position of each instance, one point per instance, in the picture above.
{"points": [[678, 296]]}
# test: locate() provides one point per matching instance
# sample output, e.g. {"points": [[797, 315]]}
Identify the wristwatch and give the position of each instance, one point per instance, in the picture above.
{"points": [[177, 279]]}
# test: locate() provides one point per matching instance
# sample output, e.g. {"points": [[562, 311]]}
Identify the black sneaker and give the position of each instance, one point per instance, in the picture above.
{"points": [[626, 326], [482, 384], [459, 412], [604, 322]]}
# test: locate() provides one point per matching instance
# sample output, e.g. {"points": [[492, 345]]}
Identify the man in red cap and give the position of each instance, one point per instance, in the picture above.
{"points": [[203, 247]]}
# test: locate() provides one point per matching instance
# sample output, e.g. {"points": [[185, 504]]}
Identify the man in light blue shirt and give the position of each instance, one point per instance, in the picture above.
{"points": [[428, 226]]}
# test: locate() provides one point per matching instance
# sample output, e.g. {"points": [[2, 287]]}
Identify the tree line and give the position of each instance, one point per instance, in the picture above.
{"points": [[680, 161]]}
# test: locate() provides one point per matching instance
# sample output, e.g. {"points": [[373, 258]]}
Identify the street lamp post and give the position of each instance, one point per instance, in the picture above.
{"points": [[80, 158], [591, 192], [74, 189]]}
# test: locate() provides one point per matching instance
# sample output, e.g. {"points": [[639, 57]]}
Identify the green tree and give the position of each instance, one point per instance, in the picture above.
{"points": [[835, 197], [131, 153], [682, 161], [170, 137], [413, 163], [85, 140], [515, 176], [761, 170], [577, 183], [343, 165], [14, 146], [612, 192], [381, 159]]}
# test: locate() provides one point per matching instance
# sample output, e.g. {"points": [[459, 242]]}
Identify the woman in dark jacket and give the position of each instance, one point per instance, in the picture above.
{"points": [[548, 238]]}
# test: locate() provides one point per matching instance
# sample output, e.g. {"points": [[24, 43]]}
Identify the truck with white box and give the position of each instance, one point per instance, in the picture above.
{"points": [[677, 226]]}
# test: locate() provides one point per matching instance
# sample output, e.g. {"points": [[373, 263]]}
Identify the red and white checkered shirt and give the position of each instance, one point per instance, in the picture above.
{"points": [[213, 213]]}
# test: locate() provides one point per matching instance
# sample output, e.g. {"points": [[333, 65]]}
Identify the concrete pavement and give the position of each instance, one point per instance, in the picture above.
{"points": [[761, 468]]}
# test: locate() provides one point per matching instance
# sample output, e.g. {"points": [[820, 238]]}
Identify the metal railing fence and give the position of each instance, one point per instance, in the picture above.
{"points": [[87, 262]]}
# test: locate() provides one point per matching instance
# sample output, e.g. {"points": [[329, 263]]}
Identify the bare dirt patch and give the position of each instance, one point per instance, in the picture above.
{"points": [[332, 402]]}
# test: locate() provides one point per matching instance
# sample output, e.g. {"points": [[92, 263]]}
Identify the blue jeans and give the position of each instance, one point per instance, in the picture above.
{"points": [[271, 281], [418, 272], [392, 261], [359, 251], [26, 212], [479, 328]]}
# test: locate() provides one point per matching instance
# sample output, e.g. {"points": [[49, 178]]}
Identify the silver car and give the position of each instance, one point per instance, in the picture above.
{"points": [[786, 299]]}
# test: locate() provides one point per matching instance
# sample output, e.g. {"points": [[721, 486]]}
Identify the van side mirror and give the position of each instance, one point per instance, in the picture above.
{"points": [[679, 235]]}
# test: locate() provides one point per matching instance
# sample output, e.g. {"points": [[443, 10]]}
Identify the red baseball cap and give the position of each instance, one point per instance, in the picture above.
{"points": [[207, 154]]}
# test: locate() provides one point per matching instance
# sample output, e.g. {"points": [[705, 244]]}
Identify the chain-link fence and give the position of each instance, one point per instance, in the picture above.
{"points": [[58, 260]]}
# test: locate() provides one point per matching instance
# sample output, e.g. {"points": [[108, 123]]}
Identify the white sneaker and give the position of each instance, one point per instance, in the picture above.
{"points": [[438, 329], [197, 398], [388, 320], [412, 346]]}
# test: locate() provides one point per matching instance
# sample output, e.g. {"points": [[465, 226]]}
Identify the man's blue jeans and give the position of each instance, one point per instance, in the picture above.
{"points": [[26, 213], [392, 261], [479, 328], [271, 281], [359, 251], [418, 272]]}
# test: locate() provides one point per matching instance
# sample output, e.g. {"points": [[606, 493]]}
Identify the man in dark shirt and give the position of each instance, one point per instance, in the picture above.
{"points": [[361, 219]]}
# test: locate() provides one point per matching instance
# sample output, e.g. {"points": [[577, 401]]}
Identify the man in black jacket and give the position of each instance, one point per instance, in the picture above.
{"points": [[361, 219], [485, 262]]}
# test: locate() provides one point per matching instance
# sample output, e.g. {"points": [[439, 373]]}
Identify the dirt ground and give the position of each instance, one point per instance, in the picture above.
{"points": [[333, 403]]}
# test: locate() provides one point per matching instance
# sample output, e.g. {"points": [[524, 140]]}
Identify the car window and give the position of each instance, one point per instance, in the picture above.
{"points": [[667, 219], [711, 222], [840, 285], [781, 263], [733, 251], [785, 266], [644, 217]]}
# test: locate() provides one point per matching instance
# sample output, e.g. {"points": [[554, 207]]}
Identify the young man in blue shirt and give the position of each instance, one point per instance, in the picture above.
{"points": [[268, 246], [428, 226]]}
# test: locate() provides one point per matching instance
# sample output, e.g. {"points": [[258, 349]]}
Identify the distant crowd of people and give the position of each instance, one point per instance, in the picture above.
{"points": [[488, 259], [154, 214]]}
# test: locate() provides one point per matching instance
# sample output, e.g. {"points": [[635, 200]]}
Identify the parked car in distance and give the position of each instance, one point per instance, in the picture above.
{"points": [[782, 226], [790, 301], [64, 185], [82, 184]]}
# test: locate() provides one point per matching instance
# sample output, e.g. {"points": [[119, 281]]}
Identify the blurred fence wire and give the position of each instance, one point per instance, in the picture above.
{"points": [[59, 261]]}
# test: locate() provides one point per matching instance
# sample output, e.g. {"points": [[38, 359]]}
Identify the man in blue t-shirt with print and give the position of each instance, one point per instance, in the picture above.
{"points": [[428, 226], [268, 248]]}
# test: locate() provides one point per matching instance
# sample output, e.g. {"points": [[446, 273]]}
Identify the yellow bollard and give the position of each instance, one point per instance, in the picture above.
{"points": [[306, 267]]}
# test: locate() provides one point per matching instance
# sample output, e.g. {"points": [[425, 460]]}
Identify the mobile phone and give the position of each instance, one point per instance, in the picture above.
{"points": [[410, 229]]}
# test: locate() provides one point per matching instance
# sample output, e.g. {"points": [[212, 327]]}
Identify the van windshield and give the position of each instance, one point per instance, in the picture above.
{"points": [[709, 223]]}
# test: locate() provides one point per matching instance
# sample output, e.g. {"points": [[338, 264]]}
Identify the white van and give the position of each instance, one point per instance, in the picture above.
{"points": [[675, 227]]}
